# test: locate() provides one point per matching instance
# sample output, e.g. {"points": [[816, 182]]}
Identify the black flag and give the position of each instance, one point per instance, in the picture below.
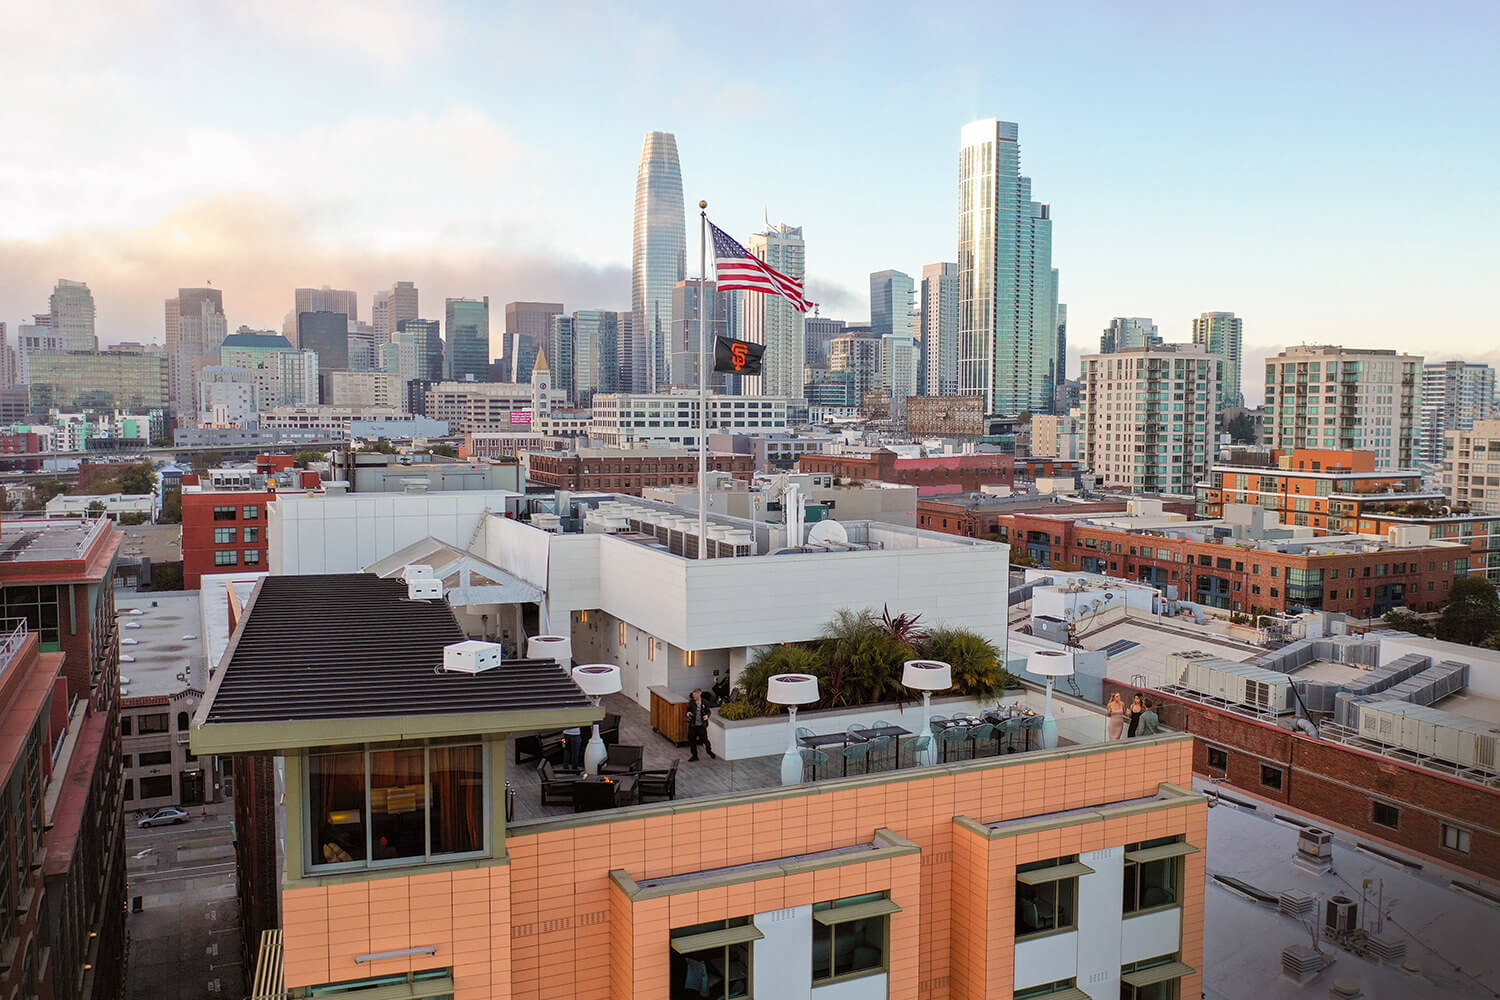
{"points": [[737, 357]]}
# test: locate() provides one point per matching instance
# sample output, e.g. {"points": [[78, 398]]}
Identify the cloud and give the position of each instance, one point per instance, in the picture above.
{"points": [[388, 34], [258, 247], [836, 301]]}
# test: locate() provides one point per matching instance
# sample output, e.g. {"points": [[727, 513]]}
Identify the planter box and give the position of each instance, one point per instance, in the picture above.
{"points": [[738, 739]]}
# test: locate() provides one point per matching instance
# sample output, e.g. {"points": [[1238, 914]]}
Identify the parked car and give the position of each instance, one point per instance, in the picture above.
{"points": [[163, 817]]}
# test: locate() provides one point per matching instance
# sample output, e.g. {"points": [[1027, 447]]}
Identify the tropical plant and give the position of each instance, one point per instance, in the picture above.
{"points": [[904, 628], [861, 662], [977, 669], [750, 690]]}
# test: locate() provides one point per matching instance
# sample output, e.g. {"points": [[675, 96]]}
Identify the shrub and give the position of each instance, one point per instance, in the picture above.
{"points": [[977, 669], [750, 691]]}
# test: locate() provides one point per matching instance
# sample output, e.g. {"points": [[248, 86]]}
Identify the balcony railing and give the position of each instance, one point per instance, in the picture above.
{"points": [[12, 635]]}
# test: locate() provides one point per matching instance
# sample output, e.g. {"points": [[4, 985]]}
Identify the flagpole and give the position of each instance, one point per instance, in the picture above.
{"points": [[702, 381]]}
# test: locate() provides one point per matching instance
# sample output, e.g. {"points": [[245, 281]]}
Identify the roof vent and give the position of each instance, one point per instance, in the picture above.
{"points": [[471, 656]]}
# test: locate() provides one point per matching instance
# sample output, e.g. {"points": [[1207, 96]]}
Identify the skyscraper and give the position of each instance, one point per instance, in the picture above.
{"points": [[890, 303], [196, 326], [1007, 334], [325, 299], [327, 335], [1127, 332], [818, 331], [1062, 342], [1223, 334], [559, 351], [390, 307], [421, 349], [468, 331], [898, 368], [72, 311], [686, 302], [859, 354], [1455, 396], [596, 364], [940, 328], [771, 320], [658, 260], [531, 318]]}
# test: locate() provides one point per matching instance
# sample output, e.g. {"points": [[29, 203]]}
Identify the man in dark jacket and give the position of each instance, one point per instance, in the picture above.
{"points": [[697, 719]]}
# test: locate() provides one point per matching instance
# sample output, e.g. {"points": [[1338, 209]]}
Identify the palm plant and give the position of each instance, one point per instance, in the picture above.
{"points": [[977, 669], [860, 661], [749, 696]]}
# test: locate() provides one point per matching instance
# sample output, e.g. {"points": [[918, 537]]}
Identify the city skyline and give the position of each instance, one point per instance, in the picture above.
{"points": [[143, 191]]}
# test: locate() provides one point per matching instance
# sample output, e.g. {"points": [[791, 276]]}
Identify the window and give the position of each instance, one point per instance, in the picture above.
{"points": [[155, 758], [158, 787], [1270, 776], [1152, 978], [1047, 990], [129, 789], [1153, 873], [226, 558], [1456, 839], [396, 804], [712, 960], [1045, 895], [156, 723], [1385, 814], [127, 761], [849, 936], [1218, 758], [252, 534], [252, 556], [223, 513], [225, 536], [125, 727], [250, 513], [38, 605]]}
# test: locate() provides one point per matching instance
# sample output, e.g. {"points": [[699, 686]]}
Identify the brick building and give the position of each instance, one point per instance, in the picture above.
{"points": [[945, 416], [1318, 488], [62, 838], [938, 474], [620, 470], [224, 515]]}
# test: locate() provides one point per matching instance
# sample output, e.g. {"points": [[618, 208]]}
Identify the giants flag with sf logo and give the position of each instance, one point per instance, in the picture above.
{"points": [[737, 357]]}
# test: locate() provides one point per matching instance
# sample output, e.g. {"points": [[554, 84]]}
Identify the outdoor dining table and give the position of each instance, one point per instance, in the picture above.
{"points": [[854, 736]]}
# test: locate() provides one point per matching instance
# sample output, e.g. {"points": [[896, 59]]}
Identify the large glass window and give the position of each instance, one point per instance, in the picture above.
{"points": [[849, 936], [1153, 873], [1157, 978], [223, 536], [157, 787], [712, 960], [38, 605], [1046, 894], [157, 722], [1048, 989], [223, 513], [396, 804]]}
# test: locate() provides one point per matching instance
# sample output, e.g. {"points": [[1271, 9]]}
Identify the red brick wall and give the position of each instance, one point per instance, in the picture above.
{"points": [[198, 524]]}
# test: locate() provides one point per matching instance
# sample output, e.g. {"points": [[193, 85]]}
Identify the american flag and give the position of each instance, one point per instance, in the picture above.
{"points": [[737, 267]]}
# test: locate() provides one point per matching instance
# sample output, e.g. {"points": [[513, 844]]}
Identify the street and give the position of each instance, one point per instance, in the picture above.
{"points": [[185, 942]]}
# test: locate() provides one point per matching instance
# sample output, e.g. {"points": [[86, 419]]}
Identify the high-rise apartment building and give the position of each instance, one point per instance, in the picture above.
{"points": [[420, 349], [1223, 334], [596, 359], [687, 301], [1062, 341], [898, 367], [771, 320], [1127, 332], [1007, 333], [658, 260], [1468, 478], [939, 297], [890, 303], [858, 354], [72, 310], [1150, 415], [1455, 395], [195, 328], [1350, 400], [468, 345], [559, 355], [818, 332]]}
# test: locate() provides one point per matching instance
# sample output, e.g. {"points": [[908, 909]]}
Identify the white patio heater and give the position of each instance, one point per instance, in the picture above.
{"points": [[551, 647], [596, 680], [792, 690], [927, 676], [1051, 664]]}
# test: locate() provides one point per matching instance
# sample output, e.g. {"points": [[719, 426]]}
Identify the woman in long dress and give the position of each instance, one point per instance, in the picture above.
{"points": [[1134, 715], [1116, 709]]}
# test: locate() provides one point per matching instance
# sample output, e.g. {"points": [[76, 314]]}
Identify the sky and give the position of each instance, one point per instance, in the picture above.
{"points": [[1326, 171]]}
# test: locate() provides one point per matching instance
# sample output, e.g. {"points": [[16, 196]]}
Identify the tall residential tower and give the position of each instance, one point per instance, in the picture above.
{"points": [[771, 320], [658, 261], [1346, 399], [940, 328], [1223, 334], [1455, 396]]}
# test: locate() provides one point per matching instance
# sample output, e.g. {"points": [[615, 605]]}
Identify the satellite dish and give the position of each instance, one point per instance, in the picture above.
{"points": [[827, 533], [1109, 595]]}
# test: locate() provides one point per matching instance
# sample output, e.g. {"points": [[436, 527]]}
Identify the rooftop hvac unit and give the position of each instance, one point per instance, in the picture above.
{"points": [[1314, 850], [1457, 739], [471, 657], [424, 590], [417, 571], [1341, 915]]}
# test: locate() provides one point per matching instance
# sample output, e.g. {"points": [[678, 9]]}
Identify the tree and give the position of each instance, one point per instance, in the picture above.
{"points": [[48, 489], [138, 479], [444, 450], [96, 508], [862, 663], [205, 460], [131, 520], [306, 458], [171, 506], [166, 576], [383, 447], [1242, 429], [1472, 612], [1406, 621]]}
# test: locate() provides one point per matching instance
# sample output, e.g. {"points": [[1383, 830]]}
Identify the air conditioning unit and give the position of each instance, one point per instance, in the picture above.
{"points": [[471, 656], [417, 571], [424, 590], [1341, 915], [1314, 850]]}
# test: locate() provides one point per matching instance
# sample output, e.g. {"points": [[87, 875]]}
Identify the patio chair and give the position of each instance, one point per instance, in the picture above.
{"points": [[982, 733], [623, 758], [855, 727], [811, 761], [542, 746], [882, 724], [662, 784], [557, 782], [935, 723], [953, 738], [1031, 723], [1008, 729], [921, 745], [880, 748], [803, 733], [858, 751], [609, 729]]}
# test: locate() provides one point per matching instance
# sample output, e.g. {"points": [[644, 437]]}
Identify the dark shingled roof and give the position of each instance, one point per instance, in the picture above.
{"points": [[351, 645]]}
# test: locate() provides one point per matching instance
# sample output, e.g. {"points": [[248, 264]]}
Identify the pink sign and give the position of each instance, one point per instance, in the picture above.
{"points": [[520, 416]]}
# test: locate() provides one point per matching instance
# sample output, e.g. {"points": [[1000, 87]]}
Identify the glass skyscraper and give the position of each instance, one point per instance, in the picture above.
{"points": [[1223, 334], [890, 303], [771, 320], [1007, 336], [596, 366], [658, 261], [1127, 332], [940, 328], [468, 330], [72, 312]]}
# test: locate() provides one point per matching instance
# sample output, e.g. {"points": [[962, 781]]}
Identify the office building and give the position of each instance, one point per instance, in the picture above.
{"points": [[945, 416], [331, 422], [62, 836], [326, 334], [419, 350], [1006, 334], [890, 303], [658, 261], [1223, 334], [485, 406], [771, 320], [227, 396], [595, 353], [8, 359], [518, 355], [627, 470], [1127, 332], [683, 345], [858, 354], [1062, 343], [559, 354], [36, 337], [672, 418], [1150, 416], [952, 472], [283, 375], [467, 349], [72, 312], [367, 389], [939, 298], [325, 299], [195, 328], [1344, 399], [1455, 396], [531, 318], [224, 515], [898, 367], [818, 332], [391, 307], [831, 391], [107, 380]]}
